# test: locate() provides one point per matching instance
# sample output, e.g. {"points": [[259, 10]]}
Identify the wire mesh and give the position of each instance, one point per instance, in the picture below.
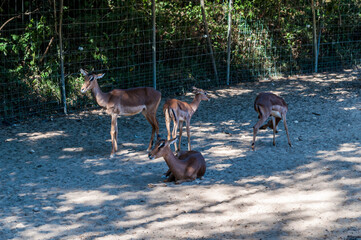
{"points": [[115, 37]]}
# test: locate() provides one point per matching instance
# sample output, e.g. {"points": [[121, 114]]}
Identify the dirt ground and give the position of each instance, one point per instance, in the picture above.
{"points": [[58, 182]]}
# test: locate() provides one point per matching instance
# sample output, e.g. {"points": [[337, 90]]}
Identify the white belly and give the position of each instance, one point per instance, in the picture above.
{"points": [[181, 118], [183, 115]]}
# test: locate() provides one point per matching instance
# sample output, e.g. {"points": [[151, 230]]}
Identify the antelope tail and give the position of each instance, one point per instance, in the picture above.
{"points": [[175, 116], [169, 113]]}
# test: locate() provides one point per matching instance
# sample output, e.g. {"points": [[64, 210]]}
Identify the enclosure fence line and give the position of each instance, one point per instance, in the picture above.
{"points": [[170, 45], [62, 58], [154, 46], [229, 31]]}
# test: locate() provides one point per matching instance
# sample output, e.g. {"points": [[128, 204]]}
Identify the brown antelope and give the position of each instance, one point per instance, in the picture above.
{"points": [[179, 112], [185, 167], [125, 102], [269, 104]]}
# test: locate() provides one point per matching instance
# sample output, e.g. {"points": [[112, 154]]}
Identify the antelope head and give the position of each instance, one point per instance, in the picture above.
{"points": [[89, 80], [202, 93], [159, 147]]}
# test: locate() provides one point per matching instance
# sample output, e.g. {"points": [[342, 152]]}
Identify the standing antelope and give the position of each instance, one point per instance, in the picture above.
{"points": [[269, 104], [179, 112], [125, 102], [185, 167]]}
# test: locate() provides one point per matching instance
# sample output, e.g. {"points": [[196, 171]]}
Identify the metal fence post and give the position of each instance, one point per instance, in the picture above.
{"points": [[318, 47], [314, 33], [62, 58], [154, 46], [229, 40], [209, 41]]}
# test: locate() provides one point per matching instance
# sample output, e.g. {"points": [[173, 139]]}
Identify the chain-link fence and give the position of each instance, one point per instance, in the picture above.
{"points": [[116, 37]]}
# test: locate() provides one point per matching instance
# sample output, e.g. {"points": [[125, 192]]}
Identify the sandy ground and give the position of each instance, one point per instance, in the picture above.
{"points": [[57, 181]]}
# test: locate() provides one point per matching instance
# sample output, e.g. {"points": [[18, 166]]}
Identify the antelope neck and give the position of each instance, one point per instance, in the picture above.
{"points": [[101, 98], [176, 166], [195, 103]]}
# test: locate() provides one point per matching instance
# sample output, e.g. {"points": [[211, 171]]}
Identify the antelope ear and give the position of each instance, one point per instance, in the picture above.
{"points": [[174, 140], [98, 76], [161, 145], [85, 73]]}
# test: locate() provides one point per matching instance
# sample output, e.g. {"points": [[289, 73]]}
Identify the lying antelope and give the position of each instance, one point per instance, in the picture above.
{"points": [[179, 112], [269, 104], [185, 167], [125, 103]]}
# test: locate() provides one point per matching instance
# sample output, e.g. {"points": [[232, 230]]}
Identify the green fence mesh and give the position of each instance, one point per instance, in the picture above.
{"points": [[115, 37]]}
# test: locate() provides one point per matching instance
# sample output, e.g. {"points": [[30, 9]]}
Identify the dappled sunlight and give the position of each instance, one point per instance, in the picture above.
{"points": [[41, 135], [88, 198], [352, 108], [74, 149], [107, 172], [204, 128], [230, 91], [58, 182], [347, 152], [49, 231], [93, 162], [254, 208], [223, 151], [220, 167], [62, 157]]}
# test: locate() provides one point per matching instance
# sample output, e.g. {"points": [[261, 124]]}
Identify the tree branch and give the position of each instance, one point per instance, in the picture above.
{"points": [[47, 49], [18, 16]]}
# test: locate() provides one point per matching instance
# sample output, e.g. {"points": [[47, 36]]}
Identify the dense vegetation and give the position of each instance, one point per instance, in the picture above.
{"points": [[115, 36]]}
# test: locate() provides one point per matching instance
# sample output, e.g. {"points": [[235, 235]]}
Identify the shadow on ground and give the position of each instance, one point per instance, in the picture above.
{"points": [[57, 181]]}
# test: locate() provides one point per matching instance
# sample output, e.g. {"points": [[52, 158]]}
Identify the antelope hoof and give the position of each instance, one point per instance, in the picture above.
{"points": [[253, 146], [112, 155]]}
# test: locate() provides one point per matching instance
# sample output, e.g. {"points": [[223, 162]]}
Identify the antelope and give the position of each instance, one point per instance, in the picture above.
{"points": [[269, 104], [185, 167], [124, 102], [179, 112]]}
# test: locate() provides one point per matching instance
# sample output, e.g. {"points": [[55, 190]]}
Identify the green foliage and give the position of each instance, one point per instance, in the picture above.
{"points": [[268, 37], [35, 79]]}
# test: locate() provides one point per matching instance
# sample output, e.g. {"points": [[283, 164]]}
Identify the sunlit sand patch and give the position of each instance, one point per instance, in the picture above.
{"points": [[42, 135], [88, 198], [224, 151], [94, 162], [220, 167], [74, 149], [231, 91], [352, 108], [65, 157], [106, 172], [11, 139], [49, 231], [348, 152]]}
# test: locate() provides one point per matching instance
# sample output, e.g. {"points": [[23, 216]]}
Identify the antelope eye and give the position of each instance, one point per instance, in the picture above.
{"points": [[91, 78], [161, 145]]}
